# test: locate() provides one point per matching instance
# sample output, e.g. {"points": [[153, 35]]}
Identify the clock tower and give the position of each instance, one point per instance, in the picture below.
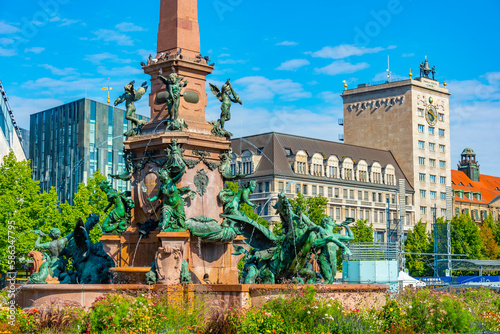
{"points": [[410, 118]]}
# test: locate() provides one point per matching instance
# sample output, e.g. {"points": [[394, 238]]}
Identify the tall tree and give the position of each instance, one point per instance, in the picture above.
{"points": [[418, 241], [89, 199], [465, 237], [362, 231], [490, 247], [23, 209], [313, 207]]}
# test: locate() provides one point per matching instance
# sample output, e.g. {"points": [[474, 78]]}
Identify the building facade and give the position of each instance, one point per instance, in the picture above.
{"points": [[357, 181], [411, 119], [474, 194], [11, 136], [70, 142]]}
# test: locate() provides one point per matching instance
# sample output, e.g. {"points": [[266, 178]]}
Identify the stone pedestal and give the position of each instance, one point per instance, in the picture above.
{"points": [[173, 250]]}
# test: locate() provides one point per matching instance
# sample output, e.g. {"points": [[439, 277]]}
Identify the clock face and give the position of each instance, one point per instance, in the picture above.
{"points": [[431, 115]]}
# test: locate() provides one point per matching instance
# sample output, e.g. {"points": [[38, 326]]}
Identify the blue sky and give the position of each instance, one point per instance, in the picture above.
{"points": [[287, 59]]}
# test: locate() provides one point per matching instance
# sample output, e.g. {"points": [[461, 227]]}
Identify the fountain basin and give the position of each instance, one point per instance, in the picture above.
{"points": [[129, 275], [225, 295]]}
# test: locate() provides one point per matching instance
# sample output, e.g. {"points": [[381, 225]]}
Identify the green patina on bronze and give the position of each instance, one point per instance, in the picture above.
{"points": [[118, 220], [131, 96], [227, 96], [174, 84], [185, 274]]}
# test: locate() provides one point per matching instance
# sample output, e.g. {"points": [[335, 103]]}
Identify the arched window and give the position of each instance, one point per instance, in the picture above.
{"points": [[389, 175], [347, 169], [317, 165], [362, 171], [247, 162], [376, 173], [332, 167], [301, 165]]}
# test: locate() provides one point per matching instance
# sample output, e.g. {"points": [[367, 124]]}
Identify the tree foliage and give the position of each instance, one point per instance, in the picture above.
{"points": [[487, 231], [465, 237], [418, 241], [362, 231], [24, 206], [313, 207]]}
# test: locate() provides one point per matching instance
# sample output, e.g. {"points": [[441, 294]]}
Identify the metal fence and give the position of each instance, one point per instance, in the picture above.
{"points": [[372, 251]]}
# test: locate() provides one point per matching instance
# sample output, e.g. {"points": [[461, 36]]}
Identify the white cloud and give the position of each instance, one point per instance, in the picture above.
{"points": [[23, 108], [59, 71], [6, 28], [293, 65], [407, 55], [128, 27], [344, 51], [232, 61], [287, 43], [113, 36], [67, 22], [493, 77], [7, 52], [330, 97], [6, 41], [35, 50], [119, 71], [145, 53], [473, 90], [63, 86], [261, 88], [340, 67], [105, 56], [223, 55]]}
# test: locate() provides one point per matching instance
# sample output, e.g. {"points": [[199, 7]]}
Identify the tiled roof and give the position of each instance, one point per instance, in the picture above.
{"points": [[274, 160], [486, 186]]}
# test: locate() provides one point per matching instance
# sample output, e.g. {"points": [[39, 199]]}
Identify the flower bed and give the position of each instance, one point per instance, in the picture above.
{"points": [[419, 311]]}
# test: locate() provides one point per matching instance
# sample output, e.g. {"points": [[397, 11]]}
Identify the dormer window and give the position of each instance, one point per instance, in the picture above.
{"points": [[301, 165], [288, 152]]}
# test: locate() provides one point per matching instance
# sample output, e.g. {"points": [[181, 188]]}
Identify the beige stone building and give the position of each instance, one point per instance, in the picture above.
{"points": [[358, 181], [410, 118]]}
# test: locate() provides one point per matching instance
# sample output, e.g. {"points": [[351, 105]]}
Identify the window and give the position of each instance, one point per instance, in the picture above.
{"points": [[422, 193], [360, 195], [420, 112], [433, 211], [344, 192], [442, 179], [442, 164], [380, 197], [362, 175], [443, 212], [366, 195], [441, 148], [432, 178], [420, 128], [267, 187], [441, 117], [379, 236], [421, 144], [432, 146], [337, 191], [441, 132], [304, 189], [432, 162], [351, 194], [374, 197], [260, 185], [375, 217], [421, 161], [377, 178], [433, 194], [330, 192], [332, 171], [443, 196], [421, 177], [423, 210], [321, 190], [331, 212], [431, 130], [361, 214], [280, 186], [314, 190], [337, 213]]}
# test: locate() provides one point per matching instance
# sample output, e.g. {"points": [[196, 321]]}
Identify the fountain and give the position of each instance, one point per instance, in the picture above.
{"points": [[180, 225]]}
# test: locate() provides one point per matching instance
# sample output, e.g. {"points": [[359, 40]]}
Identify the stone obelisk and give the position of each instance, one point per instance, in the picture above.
{"points": [[178, 52]]}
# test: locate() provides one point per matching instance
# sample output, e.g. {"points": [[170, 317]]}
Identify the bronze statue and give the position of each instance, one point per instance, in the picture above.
{"points": [[173, 213], [130, 97], [227, 96], [174, 84], [55, 248], [119, 218], [232, 201]]}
